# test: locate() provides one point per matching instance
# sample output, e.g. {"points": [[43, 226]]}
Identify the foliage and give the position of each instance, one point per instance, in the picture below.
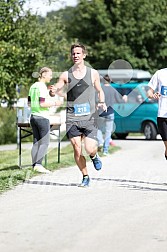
{"points": [[54, 45], [17, 51], [140, 26], [7, 126], [27, 42], [133, 30]]}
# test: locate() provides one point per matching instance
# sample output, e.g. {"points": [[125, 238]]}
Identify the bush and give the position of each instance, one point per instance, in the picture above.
{"points": [[8, 130]]}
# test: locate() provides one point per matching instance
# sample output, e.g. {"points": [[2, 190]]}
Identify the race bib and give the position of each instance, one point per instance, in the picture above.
{"points": [[164, 91], [82, 109]]}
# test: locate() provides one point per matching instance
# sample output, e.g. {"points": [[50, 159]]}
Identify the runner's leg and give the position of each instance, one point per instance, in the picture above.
{"points": [[90, 146], [79, 158], [165, 143]]}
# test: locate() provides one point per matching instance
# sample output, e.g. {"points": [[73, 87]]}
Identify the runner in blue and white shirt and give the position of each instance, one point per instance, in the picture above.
{"points": [[158, 90]]}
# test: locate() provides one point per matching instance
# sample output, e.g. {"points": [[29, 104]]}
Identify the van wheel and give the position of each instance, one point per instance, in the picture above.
{"points": [[150, 131], [121, 135]]}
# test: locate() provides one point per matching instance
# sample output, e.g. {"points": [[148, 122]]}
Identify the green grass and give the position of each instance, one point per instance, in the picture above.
{"points": [[11, 175], [136, 134]]}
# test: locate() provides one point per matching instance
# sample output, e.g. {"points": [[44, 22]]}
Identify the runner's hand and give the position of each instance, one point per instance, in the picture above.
{"points": [[156, 95], [102, 105]]}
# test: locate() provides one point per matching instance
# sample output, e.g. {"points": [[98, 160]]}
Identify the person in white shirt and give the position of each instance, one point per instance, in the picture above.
{"points": [[158, 90]]}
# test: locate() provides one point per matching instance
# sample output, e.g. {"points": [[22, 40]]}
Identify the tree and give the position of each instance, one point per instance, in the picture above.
{"points": [[27, 43], [133, 30], [14, 54], [140, 26]]}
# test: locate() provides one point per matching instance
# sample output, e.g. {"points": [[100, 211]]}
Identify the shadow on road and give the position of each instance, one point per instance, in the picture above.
{"points": [[38, 182], [135, 187], [130, 184]]}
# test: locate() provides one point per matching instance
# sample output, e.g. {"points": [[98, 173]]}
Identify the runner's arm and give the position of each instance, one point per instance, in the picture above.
{"points": [[58, 87], [101, 96]]}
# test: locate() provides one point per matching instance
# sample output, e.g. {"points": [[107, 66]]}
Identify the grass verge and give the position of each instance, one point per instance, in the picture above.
{"points": [[11, 175]]}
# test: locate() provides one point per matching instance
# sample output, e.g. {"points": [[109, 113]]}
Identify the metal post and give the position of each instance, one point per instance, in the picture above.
{"points": [[59, 146], [19, 128]]}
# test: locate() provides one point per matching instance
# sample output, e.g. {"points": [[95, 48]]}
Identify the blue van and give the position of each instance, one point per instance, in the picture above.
{"points": [[139, 114]]}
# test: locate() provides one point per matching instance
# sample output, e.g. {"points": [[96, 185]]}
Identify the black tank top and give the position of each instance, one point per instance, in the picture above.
{"points": [[80, 97]]}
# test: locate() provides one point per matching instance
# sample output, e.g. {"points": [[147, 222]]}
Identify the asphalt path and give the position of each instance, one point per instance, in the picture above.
{"points": [[123, 210]]}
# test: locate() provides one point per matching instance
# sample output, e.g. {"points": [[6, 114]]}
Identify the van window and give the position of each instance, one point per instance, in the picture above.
{"points": [[124, 91]]}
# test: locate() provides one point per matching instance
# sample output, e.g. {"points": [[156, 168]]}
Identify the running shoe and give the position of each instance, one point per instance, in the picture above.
{"points": [[41, 169], [97, 162], [85, 181]]}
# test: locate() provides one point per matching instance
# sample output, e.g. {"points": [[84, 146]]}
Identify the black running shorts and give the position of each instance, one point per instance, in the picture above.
{"points": [[79, 128], [162, 127]]}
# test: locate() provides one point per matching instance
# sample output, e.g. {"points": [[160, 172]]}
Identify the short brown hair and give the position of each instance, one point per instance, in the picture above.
{"points": [[79, 45], [106, 79]]}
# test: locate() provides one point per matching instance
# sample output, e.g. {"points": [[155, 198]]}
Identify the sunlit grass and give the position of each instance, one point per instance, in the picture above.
{"points": [[11, 174]]}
